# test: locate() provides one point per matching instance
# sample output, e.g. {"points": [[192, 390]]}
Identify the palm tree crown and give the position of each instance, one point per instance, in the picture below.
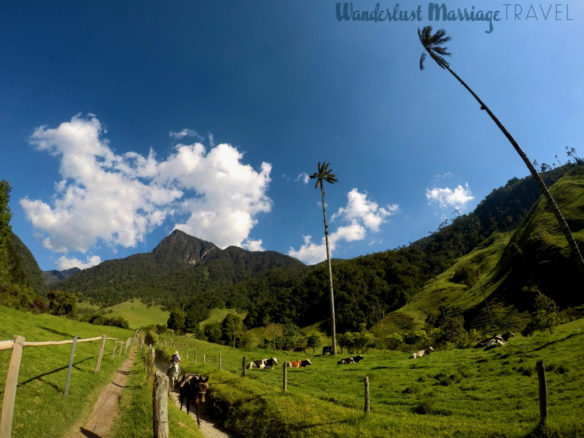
{"points": [[323, 174], [432, 45]]}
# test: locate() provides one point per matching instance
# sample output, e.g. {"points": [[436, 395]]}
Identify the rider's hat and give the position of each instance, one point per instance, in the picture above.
{"points": [[176, 352]]}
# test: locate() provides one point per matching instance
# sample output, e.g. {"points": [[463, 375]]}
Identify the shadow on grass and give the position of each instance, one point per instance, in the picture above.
{"points": [[69, 335], [571, 335], [40, 376]]}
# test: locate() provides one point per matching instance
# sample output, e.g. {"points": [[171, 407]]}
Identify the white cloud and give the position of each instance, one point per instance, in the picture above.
{"points": [[360, 215], [118, 199], [253, 245], [360, 208], [304, 177], [446, 197], [179, 135], [229, 193], [65, 263]]}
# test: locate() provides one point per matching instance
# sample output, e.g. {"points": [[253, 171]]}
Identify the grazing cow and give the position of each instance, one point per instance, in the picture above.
{"points": [[327, 350], [193, 387], [425, 352], [349, 360], [300, 350], [495, 341], [263, 363], [299, 363]]}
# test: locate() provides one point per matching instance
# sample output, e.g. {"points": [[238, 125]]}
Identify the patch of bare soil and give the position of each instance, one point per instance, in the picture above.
{"points": [[106, 409]]}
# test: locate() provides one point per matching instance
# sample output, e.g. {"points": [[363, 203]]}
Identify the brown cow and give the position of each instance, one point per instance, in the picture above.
{"points": [[299, 363]]}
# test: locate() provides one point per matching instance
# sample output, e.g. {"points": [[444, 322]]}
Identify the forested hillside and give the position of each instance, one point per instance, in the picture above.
{"points": [[21, 279], [180, 268]]}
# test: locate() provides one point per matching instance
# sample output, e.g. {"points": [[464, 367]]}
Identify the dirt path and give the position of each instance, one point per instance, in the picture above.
{"points": [[106, 408], [207, 428]]}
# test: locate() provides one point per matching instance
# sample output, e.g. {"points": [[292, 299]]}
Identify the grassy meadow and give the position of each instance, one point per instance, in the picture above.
{"points": [[139, 314], [40, 409], [467, 392]]}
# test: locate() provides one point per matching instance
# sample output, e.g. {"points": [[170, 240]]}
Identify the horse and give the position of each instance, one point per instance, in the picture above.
{"points": [[193, 387], [173, 373]]}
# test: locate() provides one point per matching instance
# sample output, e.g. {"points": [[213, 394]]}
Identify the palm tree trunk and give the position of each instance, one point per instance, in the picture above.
{"points": [[551, 201], [328, 257]]}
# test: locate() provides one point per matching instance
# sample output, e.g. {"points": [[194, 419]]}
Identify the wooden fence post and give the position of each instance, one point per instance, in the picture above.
{"points": [[71, 359], [115, 346], [187, 356], [160, 405], [10, 387], [150, 363], [366, 408], [204, 358], [100, 354], [285, 377], [219, 360], [243, 366], [195, 357], [542, 392]]}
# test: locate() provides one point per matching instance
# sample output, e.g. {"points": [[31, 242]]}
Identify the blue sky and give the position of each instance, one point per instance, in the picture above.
{"points": [[120, 121]]}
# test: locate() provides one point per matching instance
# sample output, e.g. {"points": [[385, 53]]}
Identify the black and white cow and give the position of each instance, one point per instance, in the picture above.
{"points": [[355, 359], [263, 363]]}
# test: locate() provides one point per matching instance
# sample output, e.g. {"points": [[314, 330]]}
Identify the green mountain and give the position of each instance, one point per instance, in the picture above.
{"points": [[179, 269], [53, 276], [486, 266]]}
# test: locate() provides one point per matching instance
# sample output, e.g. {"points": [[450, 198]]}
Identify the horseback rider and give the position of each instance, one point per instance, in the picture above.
{"points": [[174, 360]]}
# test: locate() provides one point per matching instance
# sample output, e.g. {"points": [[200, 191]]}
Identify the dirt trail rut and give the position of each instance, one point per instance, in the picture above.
{"points": [[106, 408]]}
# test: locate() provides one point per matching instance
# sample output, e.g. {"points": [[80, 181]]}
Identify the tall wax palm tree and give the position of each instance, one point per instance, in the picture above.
{"points": [[433, 44], [325, 174]]}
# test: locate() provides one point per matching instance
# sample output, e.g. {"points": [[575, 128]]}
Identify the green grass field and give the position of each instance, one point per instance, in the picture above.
{"points": [[139, 314], [468, 392], [40, 408]]}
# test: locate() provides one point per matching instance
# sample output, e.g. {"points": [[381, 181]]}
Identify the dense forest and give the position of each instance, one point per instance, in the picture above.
{"points": [[21, 282]]}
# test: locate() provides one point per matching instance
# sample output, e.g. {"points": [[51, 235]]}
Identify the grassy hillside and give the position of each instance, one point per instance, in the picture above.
{"points": [[218, 315], [41, 410], [443, 290], [468, 392], [139, 314]]}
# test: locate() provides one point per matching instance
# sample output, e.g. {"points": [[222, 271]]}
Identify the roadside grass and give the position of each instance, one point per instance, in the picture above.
{"points": [[41, 409], [470, 392], [139, 314], [135, 418]]}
